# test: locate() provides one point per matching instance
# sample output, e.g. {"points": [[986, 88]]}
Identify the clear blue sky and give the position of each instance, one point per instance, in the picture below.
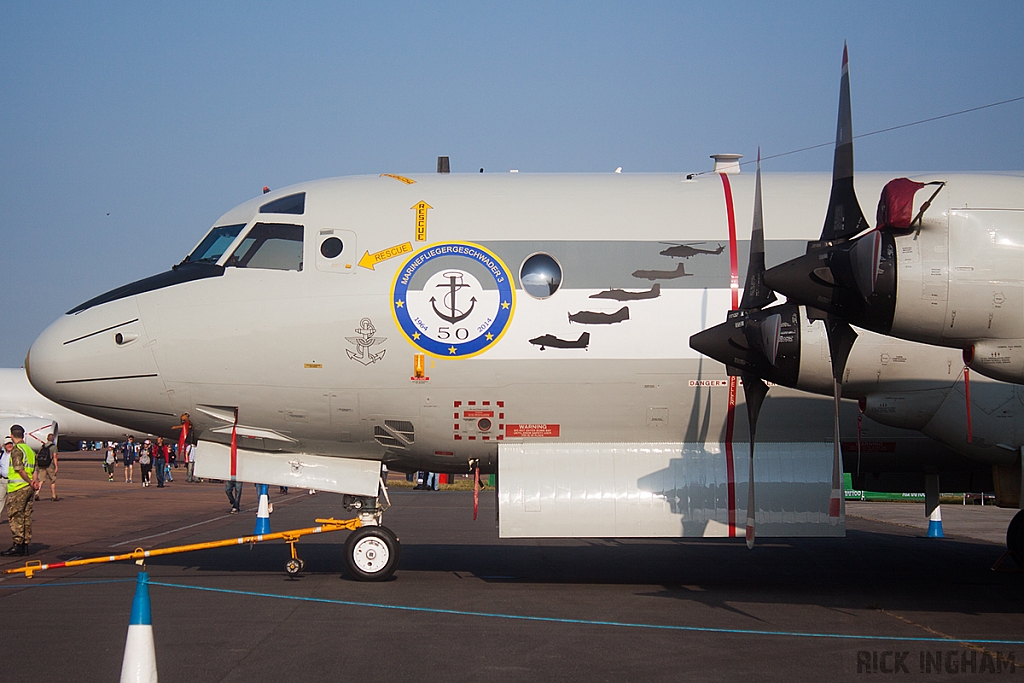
{"points": [[126, 129]]}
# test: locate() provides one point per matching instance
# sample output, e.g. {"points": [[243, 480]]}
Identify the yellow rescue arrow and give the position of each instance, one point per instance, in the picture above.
{"points": [[421, 220], [400, 178], [370, 260]]}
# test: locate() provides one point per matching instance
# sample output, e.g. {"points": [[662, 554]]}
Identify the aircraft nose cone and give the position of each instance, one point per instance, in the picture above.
{"points": [[98, 362]]}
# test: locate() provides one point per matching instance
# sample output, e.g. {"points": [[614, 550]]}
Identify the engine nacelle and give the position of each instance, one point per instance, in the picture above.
{"points": [[778, 344], [905, 410], [1001, 359], [953, 278], [961, 280]]}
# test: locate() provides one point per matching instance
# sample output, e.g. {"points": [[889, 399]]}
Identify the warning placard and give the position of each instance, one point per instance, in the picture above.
{"points": [[531, 431]]}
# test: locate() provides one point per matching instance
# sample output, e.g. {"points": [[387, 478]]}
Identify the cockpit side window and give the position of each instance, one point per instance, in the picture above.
{"points": [[273, 246], [215, 244], [293, 203]]}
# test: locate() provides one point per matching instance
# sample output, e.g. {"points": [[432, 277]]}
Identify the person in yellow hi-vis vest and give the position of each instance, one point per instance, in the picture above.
{"points": [[21, 488]]}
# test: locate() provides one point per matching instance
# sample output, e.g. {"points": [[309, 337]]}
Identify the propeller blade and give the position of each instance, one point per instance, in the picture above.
{"points": [[844, 217], [754, 393], [854, 279], [756, 294], [840, 342]]}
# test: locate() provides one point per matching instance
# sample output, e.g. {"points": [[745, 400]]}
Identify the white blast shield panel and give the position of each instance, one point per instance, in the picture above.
{"points": [[301, 470], [36, 429], [667, 490]]}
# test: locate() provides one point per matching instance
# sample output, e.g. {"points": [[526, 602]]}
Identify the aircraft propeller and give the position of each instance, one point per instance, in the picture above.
{"points": [[759, 343], [755, 343], [843, 275]]}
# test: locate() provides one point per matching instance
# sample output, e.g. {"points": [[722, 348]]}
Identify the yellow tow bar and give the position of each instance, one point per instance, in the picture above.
{"points": [[293, 566]]}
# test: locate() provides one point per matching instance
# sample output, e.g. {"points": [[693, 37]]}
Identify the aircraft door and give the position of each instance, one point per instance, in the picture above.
{"points": [[336, 251], [345, 419]]}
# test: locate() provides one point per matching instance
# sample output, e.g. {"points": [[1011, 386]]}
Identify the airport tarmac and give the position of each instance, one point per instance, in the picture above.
{"points": [[466, 605]]}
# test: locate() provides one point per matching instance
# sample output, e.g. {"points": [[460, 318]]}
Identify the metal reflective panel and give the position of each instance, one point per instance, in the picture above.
{"points": [[610, 490], [540, 275]]}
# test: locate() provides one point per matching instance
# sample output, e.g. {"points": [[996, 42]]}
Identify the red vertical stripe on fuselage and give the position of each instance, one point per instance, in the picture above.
{"points": [[734, 275], [730, 419], [234, 446]]}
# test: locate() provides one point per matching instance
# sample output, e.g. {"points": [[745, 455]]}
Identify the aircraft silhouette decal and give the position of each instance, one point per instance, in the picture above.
{"points": [[623, 295], [687, 250], [550, 340], [597, 318]]}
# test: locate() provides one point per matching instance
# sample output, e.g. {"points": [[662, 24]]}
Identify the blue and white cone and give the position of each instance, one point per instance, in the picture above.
{"points": [[263, 512], [935, 523], [139, 664]]}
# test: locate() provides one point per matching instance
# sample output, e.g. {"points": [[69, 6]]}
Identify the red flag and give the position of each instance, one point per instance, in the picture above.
{"points": [[476, 492], [183, 437]]}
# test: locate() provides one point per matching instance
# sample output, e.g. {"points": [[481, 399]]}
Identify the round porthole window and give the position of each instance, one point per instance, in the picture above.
{"points": [[540, 275], [331, 247]]}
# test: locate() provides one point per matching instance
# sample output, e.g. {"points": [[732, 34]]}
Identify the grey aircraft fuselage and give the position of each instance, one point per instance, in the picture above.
{"points": [[317, 350]]}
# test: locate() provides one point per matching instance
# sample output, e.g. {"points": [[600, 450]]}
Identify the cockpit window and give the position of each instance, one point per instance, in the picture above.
{"points": [[215, 244], [293, 203], [274, 246]]}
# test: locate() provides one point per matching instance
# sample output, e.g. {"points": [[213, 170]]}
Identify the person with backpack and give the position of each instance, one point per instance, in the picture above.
{"points": [[21, 486], [108, 463], [129, 453], [46, 467], [146, 461]]}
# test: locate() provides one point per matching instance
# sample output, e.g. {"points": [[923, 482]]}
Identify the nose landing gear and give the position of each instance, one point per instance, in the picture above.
{"points": [[372, 551]]}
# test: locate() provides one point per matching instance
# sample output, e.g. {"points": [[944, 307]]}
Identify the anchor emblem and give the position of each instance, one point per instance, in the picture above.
{"points": [[364, 342], [455, 283]]}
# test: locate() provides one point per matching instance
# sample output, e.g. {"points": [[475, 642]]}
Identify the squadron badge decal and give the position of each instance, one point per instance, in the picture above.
{"points": [[364, 342], [453, 300]]}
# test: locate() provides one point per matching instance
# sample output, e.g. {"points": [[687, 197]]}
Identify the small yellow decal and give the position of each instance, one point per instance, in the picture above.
{"points": [[421, 220], [370, 260], [312, 365], [400, 178]]}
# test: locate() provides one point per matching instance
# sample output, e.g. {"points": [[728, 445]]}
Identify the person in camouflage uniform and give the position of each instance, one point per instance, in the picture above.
{"points": [[21, 488]]}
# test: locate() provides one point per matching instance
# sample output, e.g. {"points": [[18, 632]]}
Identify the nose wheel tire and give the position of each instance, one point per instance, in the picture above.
{"points": [[372, 553]]}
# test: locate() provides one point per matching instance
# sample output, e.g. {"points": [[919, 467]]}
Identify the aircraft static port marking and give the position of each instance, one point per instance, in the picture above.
{"points": [[453, 299], [399, 178], [370, 260], [421, 220]]}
